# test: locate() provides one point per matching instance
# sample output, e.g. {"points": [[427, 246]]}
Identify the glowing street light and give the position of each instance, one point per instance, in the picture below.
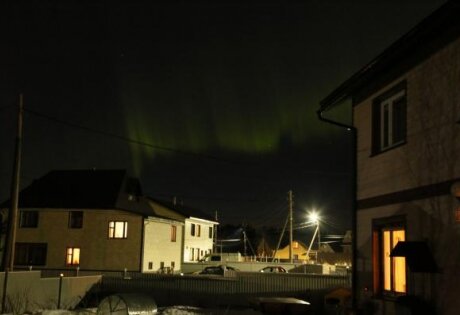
{"points": [[313, 217]]}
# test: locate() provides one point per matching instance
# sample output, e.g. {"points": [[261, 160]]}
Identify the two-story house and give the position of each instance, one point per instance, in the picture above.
{"points": [[406, 113], [93, 220], [199, 228]]}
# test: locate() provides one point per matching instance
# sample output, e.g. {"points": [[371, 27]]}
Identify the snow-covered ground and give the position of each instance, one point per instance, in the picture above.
{"points": [[170, 310]]}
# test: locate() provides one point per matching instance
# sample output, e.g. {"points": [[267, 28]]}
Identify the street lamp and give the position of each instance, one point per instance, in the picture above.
{"points": [[314, 218]]}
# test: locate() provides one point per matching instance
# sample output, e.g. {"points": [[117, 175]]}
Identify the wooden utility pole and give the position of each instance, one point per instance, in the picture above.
{"points": [[280, 239], [290, 225], [13, 214]]}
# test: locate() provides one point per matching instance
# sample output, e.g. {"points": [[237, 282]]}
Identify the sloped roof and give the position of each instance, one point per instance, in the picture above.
{"points": [[87, 189], [434, 32], [185, 211]]}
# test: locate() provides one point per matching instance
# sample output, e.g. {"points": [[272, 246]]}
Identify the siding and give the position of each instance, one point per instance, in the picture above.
{"points": [[433, 108], [158, 246], [97, 250]]}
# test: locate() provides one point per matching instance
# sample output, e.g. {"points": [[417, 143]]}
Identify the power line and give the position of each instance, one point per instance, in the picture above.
{"points": [[126, 139], [162, 148]]}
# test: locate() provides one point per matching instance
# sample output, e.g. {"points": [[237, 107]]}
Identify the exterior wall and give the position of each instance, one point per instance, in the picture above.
{"points": [[429, 156], [299, 250], [433, 107], [158, 246], [98, 252], [203, 243]]}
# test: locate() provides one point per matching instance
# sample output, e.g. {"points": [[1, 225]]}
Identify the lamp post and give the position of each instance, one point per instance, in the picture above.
{"points": [[313, 220]]}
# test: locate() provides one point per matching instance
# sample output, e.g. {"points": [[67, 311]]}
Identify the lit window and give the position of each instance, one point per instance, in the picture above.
{"points": [[118, 229], [75, 219], [73, 256], [394, 268], [295, 245], [173, 233], [389, 272], [389, 119], [457, 214]]}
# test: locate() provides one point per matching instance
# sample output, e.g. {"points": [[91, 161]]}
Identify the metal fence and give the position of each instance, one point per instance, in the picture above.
{"points": [[239, 289]]}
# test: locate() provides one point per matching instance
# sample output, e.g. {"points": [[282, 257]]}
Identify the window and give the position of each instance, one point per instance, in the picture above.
{"points": [[150, 265], [198, 230], [389, 119], [30, 254], [192, 229], [173, 233], [118, 229], [457, 215], [28, 219], [210, 232], [389, 272], [73, 256], [75, 219]]}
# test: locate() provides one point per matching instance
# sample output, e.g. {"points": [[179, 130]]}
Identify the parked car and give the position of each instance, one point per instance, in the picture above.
{"points": [[273, 269], [217, 270]]}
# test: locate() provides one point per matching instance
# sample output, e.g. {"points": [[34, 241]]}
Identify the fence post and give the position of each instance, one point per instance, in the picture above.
{"points": [[60, 291], [5, 287]]}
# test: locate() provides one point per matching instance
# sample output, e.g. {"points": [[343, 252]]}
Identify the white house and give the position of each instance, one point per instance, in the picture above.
{"points": [[199, 228]]}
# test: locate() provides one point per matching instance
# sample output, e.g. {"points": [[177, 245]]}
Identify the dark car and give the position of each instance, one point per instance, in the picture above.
{"points": [[273, 269], [216, 270]]}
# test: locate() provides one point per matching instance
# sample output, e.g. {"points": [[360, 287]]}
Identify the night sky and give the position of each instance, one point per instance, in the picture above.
{"points": [[213, 102]]}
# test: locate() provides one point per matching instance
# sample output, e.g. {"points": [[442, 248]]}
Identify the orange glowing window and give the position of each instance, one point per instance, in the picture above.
{"points": [[173, 233], [389, 273], [118, 229], [457, 215], [73, 256]]}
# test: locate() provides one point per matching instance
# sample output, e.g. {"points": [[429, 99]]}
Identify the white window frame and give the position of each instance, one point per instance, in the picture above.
{"points": [[389, 102]]}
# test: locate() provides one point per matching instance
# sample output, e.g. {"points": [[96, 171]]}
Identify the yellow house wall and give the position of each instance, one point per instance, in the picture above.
{"points": [[300, 251], [98, 252]]}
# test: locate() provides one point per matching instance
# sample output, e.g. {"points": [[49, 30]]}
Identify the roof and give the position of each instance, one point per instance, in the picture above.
{"points": [[81, 189], [434, 32], [185, 211]]}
